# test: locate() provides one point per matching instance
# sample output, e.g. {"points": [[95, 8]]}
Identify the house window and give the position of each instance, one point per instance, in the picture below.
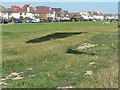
{"points": [[20, 13], [9, 13], [25, 13]]}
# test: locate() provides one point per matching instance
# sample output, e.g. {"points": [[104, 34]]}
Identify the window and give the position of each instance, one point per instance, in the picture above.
{"points": [[9, 13], [25, 13], [20, 13]]}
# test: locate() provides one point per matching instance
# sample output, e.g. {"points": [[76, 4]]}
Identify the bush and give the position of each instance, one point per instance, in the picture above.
{"points": [[21, 18], [26, 18], [73, 19], [11, 19]]}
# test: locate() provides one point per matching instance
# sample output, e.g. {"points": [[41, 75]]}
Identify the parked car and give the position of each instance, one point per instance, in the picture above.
{"points": [[48, 21], [29, 20], [41, 20], [4, 21], [36, 20], [18, 21]]}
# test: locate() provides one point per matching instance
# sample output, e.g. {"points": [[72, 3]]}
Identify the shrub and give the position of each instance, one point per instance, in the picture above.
{"points": [[73, 19], [26, 18], [21, 18], [11, 19]]}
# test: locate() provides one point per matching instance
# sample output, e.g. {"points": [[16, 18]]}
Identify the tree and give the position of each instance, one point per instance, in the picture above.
{"points": [[11, 19], [73, 19], [21, 18]]}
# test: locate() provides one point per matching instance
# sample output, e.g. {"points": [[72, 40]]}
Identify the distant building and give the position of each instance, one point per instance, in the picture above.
{"points": [[109, 16], [45, 12], [58, 12], [91, 15], [16, 12], [98, 16], [65, 15], [75, 15], [26, 11], [30, 11], [116, 16], [3, 13], [85, 15]]}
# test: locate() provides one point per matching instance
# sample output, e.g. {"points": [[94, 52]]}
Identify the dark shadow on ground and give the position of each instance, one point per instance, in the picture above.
{"points": [[57, 35], [72, 51]]}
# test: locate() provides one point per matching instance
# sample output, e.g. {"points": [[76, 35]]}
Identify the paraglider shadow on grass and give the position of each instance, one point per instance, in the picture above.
{"points": [[57, 35], [74, 51]]}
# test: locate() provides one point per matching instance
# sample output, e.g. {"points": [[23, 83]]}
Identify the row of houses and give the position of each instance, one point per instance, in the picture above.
{"points": [[27, 10], [45, 12]]}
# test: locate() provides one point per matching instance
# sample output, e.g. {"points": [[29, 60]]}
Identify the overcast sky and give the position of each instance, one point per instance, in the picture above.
{"points": [[104, 6]]}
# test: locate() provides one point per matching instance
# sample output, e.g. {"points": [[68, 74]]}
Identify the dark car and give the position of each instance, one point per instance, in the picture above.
{"points": [[18, 21], [48, 21], [29, 20], [4, 21]]}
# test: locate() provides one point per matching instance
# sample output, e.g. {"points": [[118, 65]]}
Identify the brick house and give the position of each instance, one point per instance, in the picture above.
{"points": [[45, 12], [75, 15]]}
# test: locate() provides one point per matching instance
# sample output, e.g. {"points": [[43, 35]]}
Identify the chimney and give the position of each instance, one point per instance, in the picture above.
{"points": [[28, 9]]}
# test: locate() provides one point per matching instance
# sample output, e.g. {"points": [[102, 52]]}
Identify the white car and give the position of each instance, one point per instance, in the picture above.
{"points": [[35, 20]]}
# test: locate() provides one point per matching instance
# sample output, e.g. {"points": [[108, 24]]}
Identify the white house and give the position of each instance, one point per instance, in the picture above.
{"points": [[26, 11], [51, 14], [109, 16], [16, 12], [30, 11], [98, 16], [65, 15], [3, 12], [116, 17], [91, 15], [85, 15]]}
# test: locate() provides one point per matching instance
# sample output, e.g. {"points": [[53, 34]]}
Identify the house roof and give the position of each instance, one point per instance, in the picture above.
{"points": [[28, 5], [57, 10], [65, 12], [51, 11], [2, 8], [16, 9], [42, 9], [108, 14], [75, 15], [95, 13]]}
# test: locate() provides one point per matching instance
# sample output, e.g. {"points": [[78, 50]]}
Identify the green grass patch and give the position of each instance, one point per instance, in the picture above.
{"points": [[51, 64]]}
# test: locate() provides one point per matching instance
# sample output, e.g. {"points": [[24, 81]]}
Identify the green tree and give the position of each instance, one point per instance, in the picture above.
{"points": [[21, 18], [11, 19]]}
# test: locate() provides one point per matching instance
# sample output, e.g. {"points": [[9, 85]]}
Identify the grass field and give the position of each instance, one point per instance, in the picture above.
{"points": [[49, 63]]}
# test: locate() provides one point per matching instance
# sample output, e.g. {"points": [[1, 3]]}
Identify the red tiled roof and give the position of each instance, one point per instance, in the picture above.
{"points": [[28, 5], [16, 9], [42, 9]]}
